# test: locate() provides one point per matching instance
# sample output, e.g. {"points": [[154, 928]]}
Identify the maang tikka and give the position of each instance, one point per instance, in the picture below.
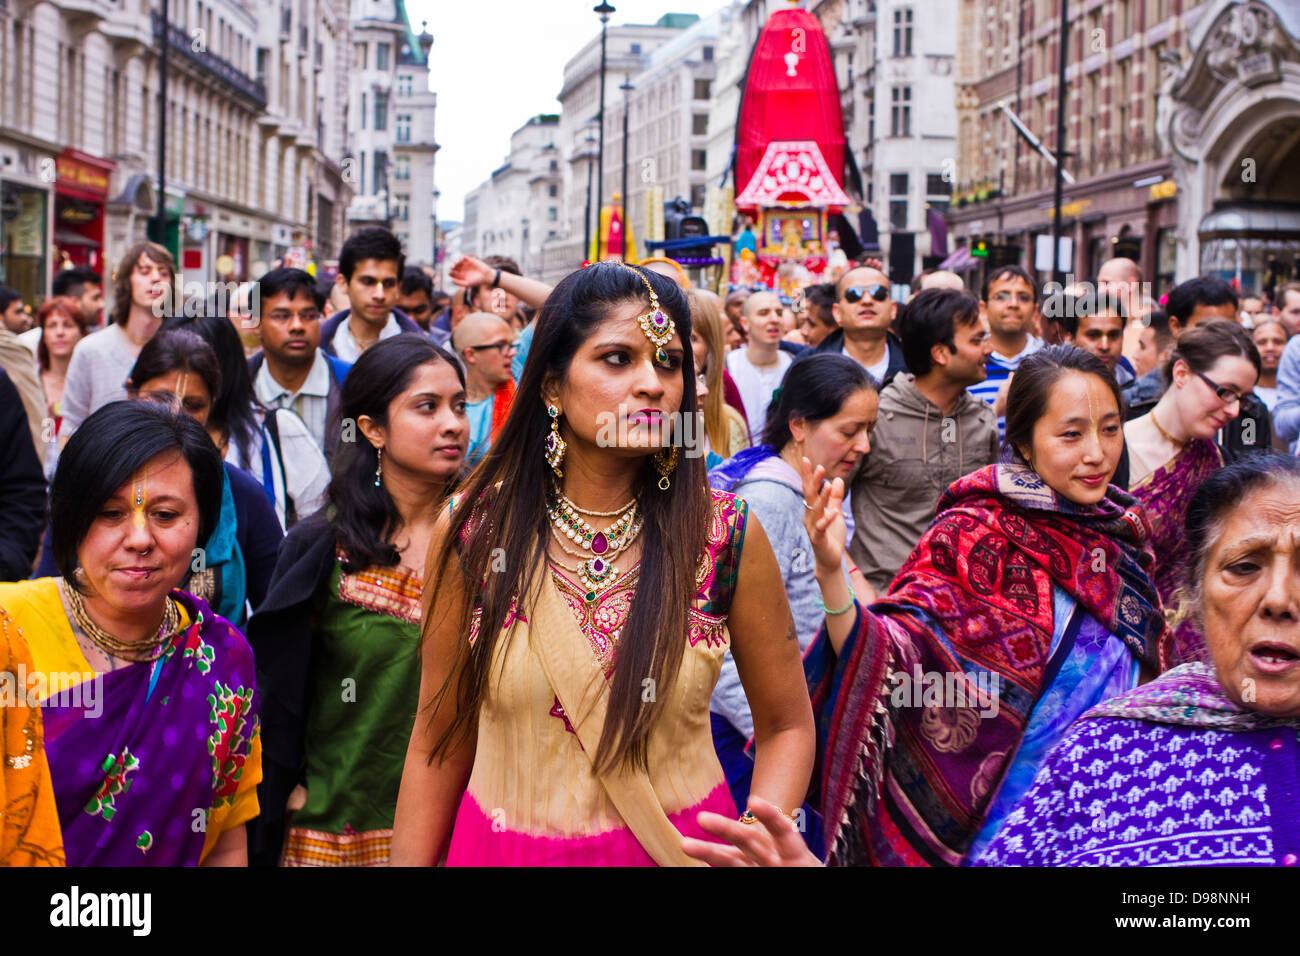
{"points": [[657, 324], [555, 445]]}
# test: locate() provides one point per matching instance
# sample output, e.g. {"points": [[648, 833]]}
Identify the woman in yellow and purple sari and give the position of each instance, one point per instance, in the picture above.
{"points": [[583, 591], [149, 708]]}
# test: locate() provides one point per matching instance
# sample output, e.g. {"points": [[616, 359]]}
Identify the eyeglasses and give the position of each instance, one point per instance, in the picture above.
{"points": [[1225, 394], [306, 315], [857, 293], [501, 347]]}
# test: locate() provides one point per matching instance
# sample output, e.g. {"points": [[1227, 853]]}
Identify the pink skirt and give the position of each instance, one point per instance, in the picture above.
{"points": [[480, 839]]}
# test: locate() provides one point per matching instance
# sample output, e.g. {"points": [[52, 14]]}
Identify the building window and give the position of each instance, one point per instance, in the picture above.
{"points": [[936, 185], [401, 206], [700, 124], [699, 160], [707, 54], [402, 167], [403, 127], [898, 184], [900, 111], [555, 165], [634, 49], [898, 215], [381, 57], [363, 110], [698, 192], [702, 89], [361, 55], [552, 214], [381, 110], [553, 190], [404, 85], [903, 31]]}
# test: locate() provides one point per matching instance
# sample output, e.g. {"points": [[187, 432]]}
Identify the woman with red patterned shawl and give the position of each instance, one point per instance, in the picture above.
{"points": [[1172, 449], [1029, 600]]}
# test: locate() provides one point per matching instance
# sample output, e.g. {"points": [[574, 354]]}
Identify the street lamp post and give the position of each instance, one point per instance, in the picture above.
{"points": [[1062, 52], [605, 10], [586, 221], [160, 232], [626, 88], [434, 263]]}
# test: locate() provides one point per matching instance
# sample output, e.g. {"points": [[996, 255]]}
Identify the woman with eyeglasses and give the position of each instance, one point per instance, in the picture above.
{"points": [[1172, 450]]}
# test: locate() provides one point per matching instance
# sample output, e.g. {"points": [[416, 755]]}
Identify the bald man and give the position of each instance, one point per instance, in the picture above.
{"points": [[758, 367], [485, 343], [942, 279]]}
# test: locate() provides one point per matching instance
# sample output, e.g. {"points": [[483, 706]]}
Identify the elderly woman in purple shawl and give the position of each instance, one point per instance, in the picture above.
{"points": [[1201, 767], [147, 696]]}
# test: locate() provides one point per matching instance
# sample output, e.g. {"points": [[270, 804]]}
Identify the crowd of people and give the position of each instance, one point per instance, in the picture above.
{"points": [[622, 572]]}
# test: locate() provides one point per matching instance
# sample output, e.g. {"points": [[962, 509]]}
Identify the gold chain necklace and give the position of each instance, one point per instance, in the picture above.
{"points": [[595, 514], [149, 649], [596, 573], [1168, 437]]}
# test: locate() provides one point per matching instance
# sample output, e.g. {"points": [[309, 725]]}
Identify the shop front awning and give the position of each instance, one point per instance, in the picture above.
{"points": [[1250, 220], [960, 261]]}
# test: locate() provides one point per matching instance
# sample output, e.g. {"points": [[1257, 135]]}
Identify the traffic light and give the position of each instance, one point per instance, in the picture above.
{"points": [[979, 249]]}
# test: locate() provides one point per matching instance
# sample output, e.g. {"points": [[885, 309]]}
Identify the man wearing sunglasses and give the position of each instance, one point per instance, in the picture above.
{"points": [[485, 344], [864, 312], [1011, 307]]}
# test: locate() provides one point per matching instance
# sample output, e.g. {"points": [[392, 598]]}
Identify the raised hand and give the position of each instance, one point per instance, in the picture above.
{"points": [[772, 841], [469, 272], [823, 516]]}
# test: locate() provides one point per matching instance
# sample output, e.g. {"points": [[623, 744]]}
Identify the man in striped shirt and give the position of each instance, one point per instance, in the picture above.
{"points": [[1011, 306]]}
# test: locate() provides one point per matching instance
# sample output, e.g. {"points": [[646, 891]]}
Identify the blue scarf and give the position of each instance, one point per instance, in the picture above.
{"points": [[733, 471]]}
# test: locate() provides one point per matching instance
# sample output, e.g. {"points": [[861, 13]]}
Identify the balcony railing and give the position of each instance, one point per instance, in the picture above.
{"points": [[178, 41]]}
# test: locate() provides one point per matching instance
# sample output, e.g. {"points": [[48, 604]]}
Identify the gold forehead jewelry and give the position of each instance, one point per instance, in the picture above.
{"points": [[657, 325]]}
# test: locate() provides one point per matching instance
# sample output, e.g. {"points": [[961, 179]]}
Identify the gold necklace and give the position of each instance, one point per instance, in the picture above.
{"points": [[595, 514], [150, 649], [1168, 437], [596, 573]]}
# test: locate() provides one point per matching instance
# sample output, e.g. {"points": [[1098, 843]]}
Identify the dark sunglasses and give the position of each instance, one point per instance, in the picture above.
{"points": [[857, 293]]}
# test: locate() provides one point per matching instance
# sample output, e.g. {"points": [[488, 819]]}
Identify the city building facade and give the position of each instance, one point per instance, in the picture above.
{"points": [[253, 134]]}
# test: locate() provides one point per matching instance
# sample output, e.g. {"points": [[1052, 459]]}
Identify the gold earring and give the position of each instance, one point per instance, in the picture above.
{"points": [[665, 462], [555, 445]]}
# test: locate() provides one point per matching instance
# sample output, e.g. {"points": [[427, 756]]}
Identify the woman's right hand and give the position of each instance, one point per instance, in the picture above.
{"points": [[823, 516]]}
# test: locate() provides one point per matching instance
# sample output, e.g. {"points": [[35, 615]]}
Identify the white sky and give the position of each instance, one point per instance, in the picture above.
{"points": [[495, 63]]}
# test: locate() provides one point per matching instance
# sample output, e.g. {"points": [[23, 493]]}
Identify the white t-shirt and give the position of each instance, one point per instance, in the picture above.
{"points": [[97, 374], [307, 475], [345, 346], [756, 386]]}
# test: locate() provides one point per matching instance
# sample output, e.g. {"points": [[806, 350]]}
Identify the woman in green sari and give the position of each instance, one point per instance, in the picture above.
{"points": [[338, 635]]}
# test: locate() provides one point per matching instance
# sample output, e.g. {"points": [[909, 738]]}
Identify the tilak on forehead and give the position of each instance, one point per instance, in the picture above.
{"points": [[139, 502], [657, 324]]}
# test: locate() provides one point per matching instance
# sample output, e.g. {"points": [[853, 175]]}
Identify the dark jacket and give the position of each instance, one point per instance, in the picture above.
{"points": [[338, 372], [22, 488], [404, 322], [835, 343], [280, 634]]}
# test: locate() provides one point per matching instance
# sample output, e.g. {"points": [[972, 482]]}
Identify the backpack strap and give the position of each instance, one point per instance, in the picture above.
{"points": [[273, 432]]}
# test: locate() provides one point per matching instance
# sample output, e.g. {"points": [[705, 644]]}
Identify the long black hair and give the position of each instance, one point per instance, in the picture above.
{"points": [[111, 446], [505, 503], [364, 517], [234, 408], [815, 388]]}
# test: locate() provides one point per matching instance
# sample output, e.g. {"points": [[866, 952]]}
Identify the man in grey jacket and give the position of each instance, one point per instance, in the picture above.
{"points": [[930, 431]]}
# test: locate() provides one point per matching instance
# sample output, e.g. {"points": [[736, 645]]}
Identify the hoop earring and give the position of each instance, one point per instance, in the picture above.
{"points": [[379, 465], [555, 445], [665, 462]]}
